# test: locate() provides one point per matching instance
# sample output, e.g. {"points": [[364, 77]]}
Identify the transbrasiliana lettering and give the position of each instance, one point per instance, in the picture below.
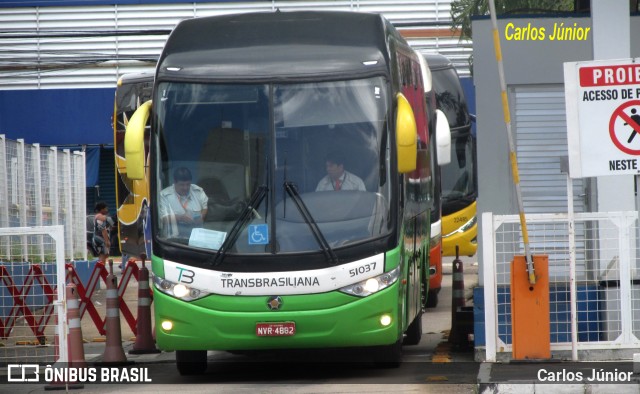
{"points": [[270, 282]]}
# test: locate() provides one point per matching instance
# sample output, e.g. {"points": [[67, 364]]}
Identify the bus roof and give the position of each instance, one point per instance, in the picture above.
{"points": [[437, 62], [135, 78], [278, 46]]}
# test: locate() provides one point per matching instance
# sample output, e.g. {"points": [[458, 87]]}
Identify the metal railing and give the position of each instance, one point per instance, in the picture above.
{"points": [[606, 273]]}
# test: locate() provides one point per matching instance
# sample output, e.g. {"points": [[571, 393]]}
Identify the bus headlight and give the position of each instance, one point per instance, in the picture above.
{"points": [[372, 285], [178, 290]]}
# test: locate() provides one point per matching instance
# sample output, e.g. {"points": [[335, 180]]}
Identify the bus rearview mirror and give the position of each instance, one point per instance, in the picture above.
{"points": [[443, 138], [406, 136], [134, 142]]}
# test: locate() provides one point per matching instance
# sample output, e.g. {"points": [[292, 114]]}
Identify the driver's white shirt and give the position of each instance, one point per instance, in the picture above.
{"points": [[348, 181], [172, 203]]}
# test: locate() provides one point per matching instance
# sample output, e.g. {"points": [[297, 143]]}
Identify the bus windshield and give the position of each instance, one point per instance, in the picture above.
{"points": [[250, 169], [458, 183], [458, 178]]}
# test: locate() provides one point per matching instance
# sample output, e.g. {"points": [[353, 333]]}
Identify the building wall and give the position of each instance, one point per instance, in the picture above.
{"points": [[58, 116], [90, 44], [60, 59], [526, 63]]}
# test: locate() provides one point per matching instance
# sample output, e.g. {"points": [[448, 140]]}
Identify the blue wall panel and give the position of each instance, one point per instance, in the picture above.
{"points": [[57, 116]]}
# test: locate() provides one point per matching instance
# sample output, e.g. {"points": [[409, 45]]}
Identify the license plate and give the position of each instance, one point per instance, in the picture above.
{"points": [[280, 329]]}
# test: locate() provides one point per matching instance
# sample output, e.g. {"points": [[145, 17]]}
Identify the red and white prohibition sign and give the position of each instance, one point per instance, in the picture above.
{"points": [[624, 127]]}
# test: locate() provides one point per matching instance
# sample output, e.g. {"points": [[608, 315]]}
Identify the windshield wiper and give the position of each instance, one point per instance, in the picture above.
{"points": [[238, 226], [468, 197], [306, 215]]}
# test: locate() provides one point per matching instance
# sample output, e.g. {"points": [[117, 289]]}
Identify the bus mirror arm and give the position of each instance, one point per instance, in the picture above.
{"points": [[443, 138], [382, 168], [134, 142]]}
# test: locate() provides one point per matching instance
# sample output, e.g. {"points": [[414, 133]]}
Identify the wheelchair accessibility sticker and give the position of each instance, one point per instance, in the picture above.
{"points": [[258, 234]]}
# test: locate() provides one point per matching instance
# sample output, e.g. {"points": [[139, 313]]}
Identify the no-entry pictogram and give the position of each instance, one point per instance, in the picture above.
{"points": [[624, 127]]}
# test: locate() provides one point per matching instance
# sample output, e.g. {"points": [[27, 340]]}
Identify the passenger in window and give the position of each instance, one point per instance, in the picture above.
{"points": [[183, 203], [337, 177]]}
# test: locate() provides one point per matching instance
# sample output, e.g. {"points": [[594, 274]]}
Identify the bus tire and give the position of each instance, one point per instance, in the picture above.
{"points": [[389, 356], [414, 332], [191, 362], [432, 298]]}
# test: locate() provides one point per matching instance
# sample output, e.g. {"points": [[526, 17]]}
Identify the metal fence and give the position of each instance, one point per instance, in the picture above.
{"points": [[28, 313], [41, 187], [601, 321]]}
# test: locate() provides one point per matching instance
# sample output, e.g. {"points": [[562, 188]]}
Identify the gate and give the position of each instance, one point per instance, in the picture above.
{"points": [[28, 312]]}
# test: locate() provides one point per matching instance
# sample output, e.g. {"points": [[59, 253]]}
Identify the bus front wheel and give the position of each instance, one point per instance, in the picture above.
{"points": [[432, 298], [413, 335], [191, 362]]}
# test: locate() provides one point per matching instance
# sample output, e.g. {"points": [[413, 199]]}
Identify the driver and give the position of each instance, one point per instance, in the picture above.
{"points": [[337, 177], [183, 203]]}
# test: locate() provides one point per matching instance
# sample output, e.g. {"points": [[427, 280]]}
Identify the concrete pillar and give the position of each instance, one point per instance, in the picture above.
{"points": [[612, 40]]}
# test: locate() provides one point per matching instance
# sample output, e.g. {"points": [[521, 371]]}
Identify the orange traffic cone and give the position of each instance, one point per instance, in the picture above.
{"points": [[144, 340], [74, 341], [76, 347], [457, 284], [457, 296], [113, 351]]}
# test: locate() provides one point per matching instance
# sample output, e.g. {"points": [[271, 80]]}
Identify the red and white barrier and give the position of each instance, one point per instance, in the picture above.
{"points": [[38, 322]]}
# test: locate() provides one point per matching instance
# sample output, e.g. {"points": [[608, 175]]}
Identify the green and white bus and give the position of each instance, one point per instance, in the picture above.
{"points": [[252, 107]]}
